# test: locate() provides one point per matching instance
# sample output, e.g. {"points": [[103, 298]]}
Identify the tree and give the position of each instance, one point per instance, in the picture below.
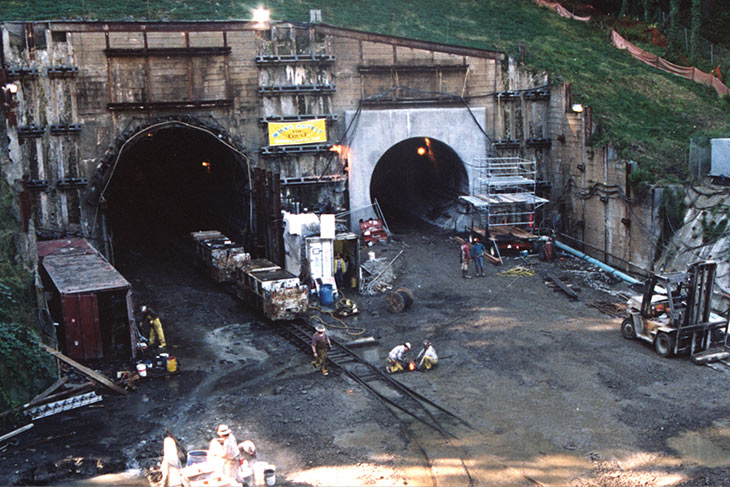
{"points": [[696, 22], [674, 42]]}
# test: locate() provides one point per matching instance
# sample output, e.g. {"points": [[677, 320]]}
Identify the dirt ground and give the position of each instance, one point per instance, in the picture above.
{"points": [[555, 395]]}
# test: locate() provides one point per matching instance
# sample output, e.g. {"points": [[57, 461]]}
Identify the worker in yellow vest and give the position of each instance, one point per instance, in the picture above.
{"points": [[340, 270]]}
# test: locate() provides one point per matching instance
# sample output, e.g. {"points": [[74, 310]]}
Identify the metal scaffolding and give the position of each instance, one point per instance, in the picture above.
{"points": [[503, 193]]}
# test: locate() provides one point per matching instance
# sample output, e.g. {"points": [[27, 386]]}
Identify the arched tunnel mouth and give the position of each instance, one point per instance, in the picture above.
{"points": [[419, 180], [172, 180]]}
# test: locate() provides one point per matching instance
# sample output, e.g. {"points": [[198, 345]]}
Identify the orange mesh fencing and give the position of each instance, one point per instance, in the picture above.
{"points": [[689, 72], [560, 10]]}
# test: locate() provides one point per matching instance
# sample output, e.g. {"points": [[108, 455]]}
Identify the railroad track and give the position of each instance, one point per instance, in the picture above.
{"points": [[409, 402]]}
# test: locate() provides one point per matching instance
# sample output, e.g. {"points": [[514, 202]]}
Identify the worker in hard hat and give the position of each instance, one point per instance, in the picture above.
{"points": [[223, 452], [156, 333], [395, 358], [320, 343], [427, 357]]}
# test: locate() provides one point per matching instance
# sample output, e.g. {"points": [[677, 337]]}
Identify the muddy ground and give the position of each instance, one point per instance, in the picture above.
{"points": [[554, 394]]}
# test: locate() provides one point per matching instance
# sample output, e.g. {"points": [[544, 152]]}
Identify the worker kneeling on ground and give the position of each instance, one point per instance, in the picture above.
{"points": [[395, 358], [427, 358]]}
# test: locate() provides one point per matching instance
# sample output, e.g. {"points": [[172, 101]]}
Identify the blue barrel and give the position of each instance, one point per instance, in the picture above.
{"points": [[326, 296]]}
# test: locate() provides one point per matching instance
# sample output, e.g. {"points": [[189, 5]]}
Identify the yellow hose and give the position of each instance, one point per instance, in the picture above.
{"points": [[342, 325], [518, 271]]}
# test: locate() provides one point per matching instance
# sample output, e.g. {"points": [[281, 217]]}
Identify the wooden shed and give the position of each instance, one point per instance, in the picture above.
{"points": [[89, 299]]}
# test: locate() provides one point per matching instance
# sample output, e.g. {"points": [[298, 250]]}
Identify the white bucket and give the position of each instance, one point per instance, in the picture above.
{"points": [[371, 255], [142, 370], [270, 475]]}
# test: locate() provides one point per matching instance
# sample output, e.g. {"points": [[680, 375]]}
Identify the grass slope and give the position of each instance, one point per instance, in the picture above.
{"points": [[648, 115]]}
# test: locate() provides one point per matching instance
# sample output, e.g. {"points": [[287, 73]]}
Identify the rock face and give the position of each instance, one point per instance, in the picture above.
{"points": [[703, 235]]}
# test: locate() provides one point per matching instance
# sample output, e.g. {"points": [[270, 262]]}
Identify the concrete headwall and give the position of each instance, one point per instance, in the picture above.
{"points": [[377, 131]]}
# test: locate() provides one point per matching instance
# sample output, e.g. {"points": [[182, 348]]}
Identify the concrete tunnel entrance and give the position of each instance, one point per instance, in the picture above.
{"points": [[172, 180], [419, 179]]}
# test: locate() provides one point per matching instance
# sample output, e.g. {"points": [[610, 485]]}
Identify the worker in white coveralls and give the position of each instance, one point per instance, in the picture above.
{"points": [[170, 466], [395, 358], [427, 358], [223, 452]]}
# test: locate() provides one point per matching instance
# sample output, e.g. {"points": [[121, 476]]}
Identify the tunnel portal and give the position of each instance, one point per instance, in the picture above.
{"points": [[174, 180], [419, 179]]}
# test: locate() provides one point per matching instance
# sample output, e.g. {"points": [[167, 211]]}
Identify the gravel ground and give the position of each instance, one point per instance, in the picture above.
{"points": [[554, 394]]}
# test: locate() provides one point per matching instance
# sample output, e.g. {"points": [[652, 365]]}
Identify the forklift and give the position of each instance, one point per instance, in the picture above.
{"points": [[674, 314]]}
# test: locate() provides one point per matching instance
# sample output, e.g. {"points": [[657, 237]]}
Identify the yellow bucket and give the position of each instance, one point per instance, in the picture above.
{"points": [[171, 364]]}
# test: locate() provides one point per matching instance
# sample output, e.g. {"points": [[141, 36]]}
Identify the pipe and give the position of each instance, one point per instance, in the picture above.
{"points": [[598, 263]]}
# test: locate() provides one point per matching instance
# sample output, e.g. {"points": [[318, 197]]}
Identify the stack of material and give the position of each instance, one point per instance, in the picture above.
{"points": [[373, 231]]}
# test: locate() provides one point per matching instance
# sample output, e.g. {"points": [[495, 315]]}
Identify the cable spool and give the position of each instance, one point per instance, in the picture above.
{"points": [[399, 300]]}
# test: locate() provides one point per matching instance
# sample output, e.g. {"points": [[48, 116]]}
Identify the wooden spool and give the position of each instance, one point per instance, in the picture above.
{"points": [[399, 300]]}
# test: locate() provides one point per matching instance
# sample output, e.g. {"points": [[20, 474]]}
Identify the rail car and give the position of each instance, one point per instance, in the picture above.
{"points": [[263, 285], [275, 292]]}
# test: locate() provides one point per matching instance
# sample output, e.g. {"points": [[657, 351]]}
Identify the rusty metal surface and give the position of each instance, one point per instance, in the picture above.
{"points": [[75, 266], [287, 303]]}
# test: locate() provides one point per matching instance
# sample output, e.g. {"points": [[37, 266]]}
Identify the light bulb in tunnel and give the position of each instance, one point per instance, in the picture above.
{"points": [[421, 151], [206, 165]]}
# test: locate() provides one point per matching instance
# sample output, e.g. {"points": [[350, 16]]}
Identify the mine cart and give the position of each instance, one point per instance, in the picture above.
{"points": [[276, 293], [674, 314]]}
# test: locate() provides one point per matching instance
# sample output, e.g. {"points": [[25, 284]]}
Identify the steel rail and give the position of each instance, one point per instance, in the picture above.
{"points": [[302, 331]]}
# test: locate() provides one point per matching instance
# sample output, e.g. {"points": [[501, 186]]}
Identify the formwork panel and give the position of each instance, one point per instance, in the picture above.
{"points": [[206, 39], [447, 58], [170, 80], [128, 80], [408, 55], [124, 40], [376, 53], [165, 39]]}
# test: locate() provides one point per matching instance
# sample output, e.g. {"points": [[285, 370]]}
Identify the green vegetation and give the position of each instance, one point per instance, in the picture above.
{"points": [[648, 115], [24, 368]]}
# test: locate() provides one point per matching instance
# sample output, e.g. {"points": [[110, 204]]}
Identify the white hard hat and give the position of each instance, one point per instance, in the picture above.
{"points": [[408, 345], [320, 328], [223, 430]]}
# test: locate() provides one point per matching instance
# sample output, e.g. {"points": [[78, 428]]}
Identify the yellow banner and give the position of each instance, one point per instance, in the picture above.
{"points": [[304, 132]]}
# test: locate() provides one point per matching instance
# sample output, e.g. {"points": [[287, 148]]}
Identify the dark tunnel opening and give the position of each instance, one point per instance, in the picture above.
{"points": [[172, 181], [419, 180]]}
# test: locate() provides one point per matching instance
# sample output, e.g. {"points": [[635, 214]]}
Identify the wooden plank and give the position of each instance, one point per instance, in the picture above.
{"points": [[562, 286], [86, 371], [48, 391]]}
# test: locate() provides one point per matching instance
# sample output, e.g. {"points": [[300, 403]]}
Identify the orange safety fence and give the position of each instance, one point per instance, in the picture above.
{"points": [[689, 72], [560, 10]]}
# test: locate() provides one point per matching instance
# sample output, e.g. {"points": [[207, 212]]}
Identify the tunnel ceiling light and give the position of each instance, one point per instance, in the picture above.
{"points": [[421, 151], [261, 15]]}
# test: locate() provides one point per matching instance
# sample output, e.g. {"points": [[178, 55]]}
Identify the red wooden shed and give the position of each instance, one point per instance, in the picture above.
{"points": [[89, 299]]}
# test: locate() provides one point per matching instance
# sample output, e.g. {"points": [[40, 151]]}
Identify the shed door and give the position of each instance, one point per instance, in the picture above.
{"points": [[81, 326]]}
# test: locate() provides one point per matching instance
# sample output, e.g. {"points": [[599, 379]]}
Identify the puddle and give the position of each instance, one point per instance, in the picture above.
{"points": [[709, 447]]}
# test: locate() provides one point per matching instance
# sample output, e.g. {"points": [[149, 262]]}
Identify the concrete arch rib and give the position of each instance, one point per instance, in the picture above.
{"points": [[380, 136], [171, 178]]}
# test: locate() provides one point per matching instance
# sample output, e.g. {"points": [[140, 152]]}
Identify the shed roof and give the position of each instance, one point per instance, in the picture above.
{"points": [[75, 266]]}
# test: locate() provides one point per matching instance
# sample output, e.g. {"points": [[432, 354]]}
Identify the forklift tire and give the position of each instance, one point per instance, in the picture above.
{"points": [[627, 329], [663, 344]]}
